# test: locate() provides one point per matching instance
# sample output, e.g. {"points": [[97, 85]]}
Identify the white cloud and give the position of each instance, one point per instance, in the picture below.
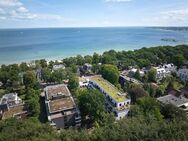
{"points": [[10, 3], [172, 17], [181, 14], [118, 0], [15, 10]]}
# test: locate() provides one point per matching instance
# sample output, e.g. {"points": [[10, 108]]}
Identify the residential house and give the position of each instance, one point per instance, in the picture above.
{"points": [[176, 98], [61, 109], [12, 106], [86, 68], [183, 74], [125, 79], [58, 67], [117, 102], [164, 70], [83, 81], [134, 70]]}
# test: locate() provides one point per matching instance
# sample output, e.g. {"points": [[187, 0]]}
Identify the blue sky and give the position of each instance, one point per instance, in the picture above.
{"points": [[92, 13]]}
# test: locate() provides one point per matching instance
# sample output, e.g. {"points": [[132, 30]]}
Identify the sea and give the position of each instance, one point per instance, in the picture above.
{"points": [[25, 45]]}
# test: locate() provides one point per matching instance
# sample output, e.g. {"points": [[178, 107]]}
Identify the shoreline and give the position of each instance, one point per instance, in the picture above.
{"points": [[59, 59]]}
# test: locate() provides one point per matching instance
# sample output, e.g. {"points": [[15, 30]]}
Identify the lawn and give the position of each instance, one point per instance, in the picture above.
{"points": [[109, 88]]}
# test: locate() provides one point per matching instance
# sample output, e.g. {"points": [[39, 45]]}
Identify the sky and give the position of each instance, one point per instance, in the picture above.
{"points": [[92, 13]]}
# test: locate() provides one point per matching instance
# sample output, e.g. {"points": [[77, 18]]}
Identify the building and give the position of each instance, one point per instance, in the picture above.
{"points": [[83, 81], [165, 70], [86, 68], [175, 98], [57, 67], [61, 109], [183, 74], [161, 72], [12, 106], [124, 79], [169, 68], [116, 101], [133, 71]]}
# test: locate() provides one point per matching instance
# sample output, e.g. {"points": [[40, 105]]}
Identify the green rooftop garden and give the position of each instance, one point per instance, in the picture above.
{"points": [[110, 89]]}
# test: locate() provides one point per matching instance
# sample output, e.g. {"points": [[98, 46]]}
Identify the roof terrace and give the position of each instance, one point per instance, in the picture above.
{"points": [[57, 90], [14, 110], [109, 88], [61, 104]]}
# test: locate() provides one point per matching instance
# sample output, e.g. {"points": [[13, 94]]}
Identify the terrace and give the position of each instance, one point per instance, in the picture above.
{"points": [[21, 109], [109, 88], [52, 91], [61, 104]]}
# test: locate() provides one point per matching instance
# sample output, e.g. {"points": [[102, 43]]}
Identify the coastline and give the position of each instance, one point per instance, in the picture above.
{"points": [[25, 45], [59, 59]]}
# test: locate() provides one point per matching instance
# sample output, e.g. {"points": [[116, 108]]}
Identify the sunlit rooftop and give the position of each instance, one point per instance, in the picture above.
{"points": [[116, 94]]}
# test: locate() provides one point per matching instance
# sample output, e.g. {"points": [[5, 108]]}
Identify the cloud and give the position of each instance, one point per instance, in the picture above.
{"points": [[172, 17], [15, 10], [181, 14], [118, 0], [10, 3]]}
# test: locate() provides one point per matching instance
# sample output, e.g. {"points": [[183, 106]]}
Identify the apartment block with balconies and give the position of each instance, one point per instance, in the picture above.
{"points": [[61, 109], [117, 102]]}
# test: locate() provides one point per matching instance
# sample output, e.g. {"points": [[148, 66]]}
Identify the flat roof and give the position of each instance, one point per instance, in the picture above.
{"points": [[57, 89], [14, 110], [171, 99], [109, 88], [61, 104]]}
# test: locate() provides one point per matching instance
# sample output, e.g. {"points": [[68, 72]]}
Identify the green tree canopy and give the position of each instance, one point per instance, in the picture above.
{"points": [[92, 104], [110, 73]]}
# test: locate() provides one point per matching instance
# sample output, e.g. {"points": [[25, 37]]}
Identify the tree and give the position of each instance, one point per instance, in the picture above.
{"points": [[80, 60], [171, 112], [136, 92], [24, 67], [29, 79], [73, 83], [152, 75], [32, 101], [147, 107], [179, 60], [137, 75], [110, 73], [43, 63], [88, 59], [96, 58], [58, 76], [26, 130], [46, 74], [92, 103]]}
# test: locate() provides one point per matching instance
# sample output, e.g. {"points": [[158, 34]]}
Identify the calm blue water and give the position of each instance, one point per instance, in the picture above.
{"points": [[17, 45]]}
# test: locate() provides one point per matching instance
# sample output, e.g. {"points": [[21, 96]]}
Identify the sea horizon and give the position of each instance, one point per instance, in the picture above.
{"points": [[26, 44]]}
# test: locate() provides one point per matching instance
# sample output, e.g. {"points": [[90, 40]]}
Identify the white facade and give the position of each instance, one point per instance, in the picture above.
{"points": [[183, 74], [83, 81], [161, 73], [10, 99], [120, 109], [165, 70], [57, 67], [133, 71]]}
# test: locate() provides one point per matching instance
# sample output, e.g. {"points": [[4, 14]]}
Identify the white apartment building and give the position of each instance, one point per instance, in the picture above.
{"points": [[116, 101]]}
